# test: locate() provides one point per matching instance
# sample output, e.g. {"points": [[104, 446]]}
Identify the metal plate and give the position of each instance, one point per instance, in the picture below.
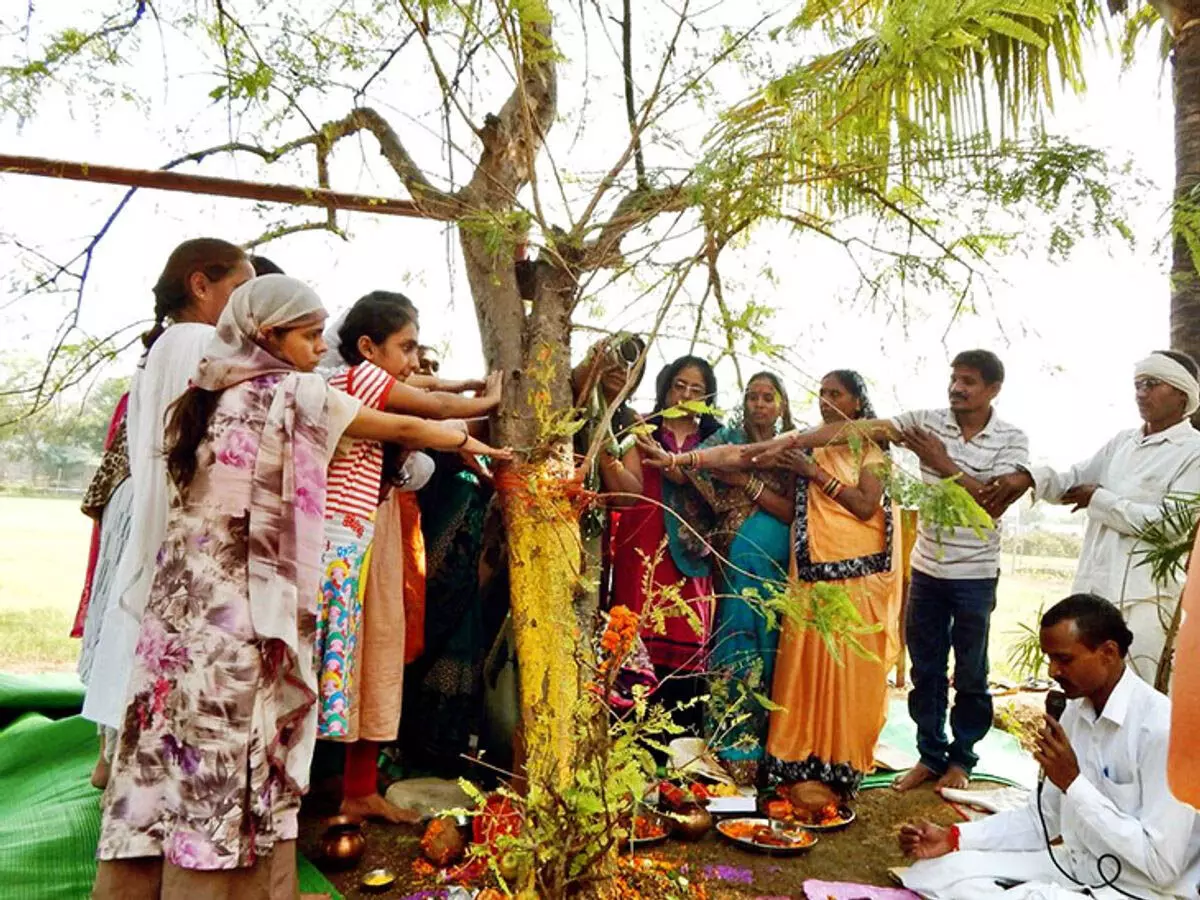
{"points": [[377, 881], [805, 839], [847, 817], [662, 822]]}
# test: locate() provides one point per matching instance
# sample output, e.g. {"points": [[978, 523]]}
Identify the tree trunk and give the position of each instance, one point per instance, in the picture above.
{"points": [[541, 523], [1185, 283]]}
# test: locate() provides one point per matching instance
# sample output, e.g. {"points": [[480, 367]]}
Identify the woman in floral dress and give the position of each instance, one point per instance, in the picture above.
{"points": [[214, 751]]}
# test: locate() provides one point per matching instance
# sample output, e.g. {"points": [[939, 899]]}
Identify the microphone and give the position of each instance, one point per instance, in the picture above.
{"points": [[1056, 704]]}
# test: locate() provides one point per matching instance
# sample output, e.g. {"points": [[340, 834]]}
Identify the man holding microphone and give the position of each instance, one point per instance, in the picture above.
{"points": [[1104, 792]]}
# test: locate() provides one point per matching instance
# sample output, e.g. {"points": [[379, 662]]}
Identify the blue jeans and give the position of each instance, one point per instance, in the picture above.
{"points": [[945, 613]]}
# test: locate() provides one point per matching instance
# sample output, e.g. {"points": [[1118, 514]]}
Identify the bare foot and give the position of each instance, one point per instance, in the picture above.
{"points": [[956, 777], [100, 773], [914, 777], [377, 808]]}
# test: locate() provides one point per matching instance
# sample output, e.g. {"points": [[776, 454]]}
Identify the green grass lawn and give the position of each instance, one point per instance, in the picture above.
{"points": [[1019, 597], [43, 557]]}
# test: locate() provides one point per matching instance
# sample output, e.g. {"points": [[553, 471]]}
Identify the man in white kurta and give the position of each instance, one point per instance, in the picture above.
{"points": [[1105, 791], [1122, 488]]}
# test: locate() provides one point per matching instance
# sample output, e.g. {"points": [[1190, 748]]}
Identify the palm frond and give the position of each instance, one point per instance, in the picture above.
{"points": [[1139, 23], [908, 79], [1165, 543]]}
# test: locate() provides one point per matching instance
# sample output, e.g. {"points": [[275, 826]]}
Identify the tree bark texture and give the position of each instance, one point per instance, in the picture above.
{"points": [[1185, 283]]}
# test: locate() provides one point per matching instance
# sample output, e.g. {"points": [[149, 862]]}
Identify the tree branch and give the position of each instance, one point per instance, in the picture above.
{"points": [[525, 118], [712, 250], [434, 202], [635, 209], [639, 162], [280, 231]]}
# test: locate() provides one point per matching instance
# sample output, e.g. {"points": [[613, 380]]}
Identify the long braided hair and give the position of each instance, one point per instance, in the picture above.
{"points": [[212, 257]]}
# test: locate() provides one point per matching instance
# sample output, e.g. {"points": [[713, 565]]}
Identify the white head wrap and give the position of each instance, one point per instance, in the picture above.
{"points": [[234, 354], [1168, 371], [418, 469]]}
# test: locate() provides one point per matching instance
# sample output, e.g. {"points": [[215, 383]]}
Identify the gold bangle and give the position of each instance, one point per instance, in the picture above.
{"points": [[759, 488]]}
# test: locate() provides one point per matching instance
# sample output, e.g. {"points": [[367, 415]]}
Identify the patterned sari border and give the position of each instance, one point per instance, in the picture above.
{"points": [[841, 569]]}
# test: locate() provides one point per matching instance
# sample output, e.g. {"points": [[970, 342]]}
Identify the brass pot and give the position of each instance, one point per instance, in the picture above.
{"points": [[691, 823], [343, 843]]}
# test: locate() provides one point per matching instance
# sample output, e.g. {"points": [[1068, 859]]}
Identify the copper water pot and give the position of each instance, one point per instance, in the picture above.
{"points": [[343, 843], [691, 823]]}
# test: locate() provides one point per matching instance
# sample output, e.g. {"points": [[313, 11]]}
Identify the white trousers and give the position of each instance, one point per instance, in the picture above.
{"points": [[972, 874], [1149, 620]]}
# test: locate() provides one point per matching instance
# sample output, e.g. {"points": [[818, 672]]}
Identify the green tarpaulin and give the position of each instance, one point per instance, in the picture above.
{"points": [[49, 811]]}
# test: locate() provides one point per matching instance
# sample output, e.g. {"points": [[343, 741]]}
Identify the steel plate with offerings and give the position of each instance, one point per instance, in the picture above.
{"points": [[649, 828], [830, 817], [766, 837]]}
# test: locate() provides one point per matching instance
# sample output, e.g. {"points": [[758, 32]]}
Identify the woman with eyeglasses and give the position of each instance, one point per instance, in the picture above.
{"points": [[602, 385], [661, 563]]}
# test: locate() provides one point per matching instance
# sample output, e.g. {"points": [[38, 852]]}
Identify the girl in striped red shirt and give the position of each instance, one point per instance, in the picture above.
{"points": [[377, 343]]}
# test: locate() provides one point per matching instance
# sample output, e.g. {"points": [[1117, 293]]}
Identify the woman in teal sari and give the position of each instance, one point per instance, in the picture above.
{"points": [[754, 517]]}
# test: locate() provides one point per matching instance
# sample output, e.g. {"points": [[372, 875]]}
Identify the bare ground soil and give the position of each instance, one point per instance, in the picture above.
{"points": [[863, 853]]}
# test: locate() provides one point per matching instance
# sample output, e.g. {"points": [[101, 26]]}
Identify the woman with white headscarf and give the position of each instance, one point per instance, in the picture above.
{"points": [[214, 750], [1123, 488]]}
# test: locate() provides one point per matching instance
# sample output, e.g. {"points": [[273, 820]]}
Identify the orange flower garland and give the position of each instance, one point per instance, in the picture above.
{"points": [[618, 637]]}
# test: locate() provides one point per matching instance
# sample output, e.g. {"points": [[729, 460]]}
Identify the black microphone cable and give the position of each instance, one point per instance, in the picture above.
{"points": [[1108, 882], [1055, 703]]}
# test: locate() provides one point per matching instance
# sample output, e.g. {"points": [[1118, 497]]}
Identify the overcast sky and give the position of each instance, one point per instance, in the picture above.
{"points": [[1068, 333]]}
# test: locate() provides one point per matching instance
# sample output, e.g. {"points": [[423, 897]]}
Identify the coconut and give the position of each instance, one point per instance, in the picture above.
{"points": [[443, 843], [811, 797]]}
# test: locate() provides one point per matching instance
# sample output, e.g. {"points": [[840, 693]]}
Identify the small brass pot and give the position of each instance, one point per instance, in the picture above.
{"points": [[691, 823], [343, 843]]}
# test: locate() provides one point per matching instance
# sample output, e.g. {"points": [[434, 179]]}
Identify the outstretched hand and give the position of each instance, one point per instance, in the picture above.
{"points": [[653, 455], [924, 840], [772, 454], [1002, 492], [501, 454], [494, 386], [798, 461], [1080, 496], [929, 449]]}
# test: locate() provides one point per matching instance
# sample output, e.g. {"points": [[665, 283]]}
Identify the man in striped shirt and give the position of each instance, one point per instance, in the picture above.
{"points": [[955, 572]]}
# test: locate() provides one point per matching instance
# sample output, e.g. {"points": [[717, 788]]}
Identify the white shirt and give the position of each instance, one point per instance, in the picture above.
{"points": [[1119, 804], [999, 449], [162, 376], [1135, 474]]}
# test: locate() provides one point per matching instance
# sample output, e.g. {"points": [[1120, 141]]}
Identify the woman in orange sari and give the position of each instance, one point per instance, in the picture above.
{"points": [[844, 534]]}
